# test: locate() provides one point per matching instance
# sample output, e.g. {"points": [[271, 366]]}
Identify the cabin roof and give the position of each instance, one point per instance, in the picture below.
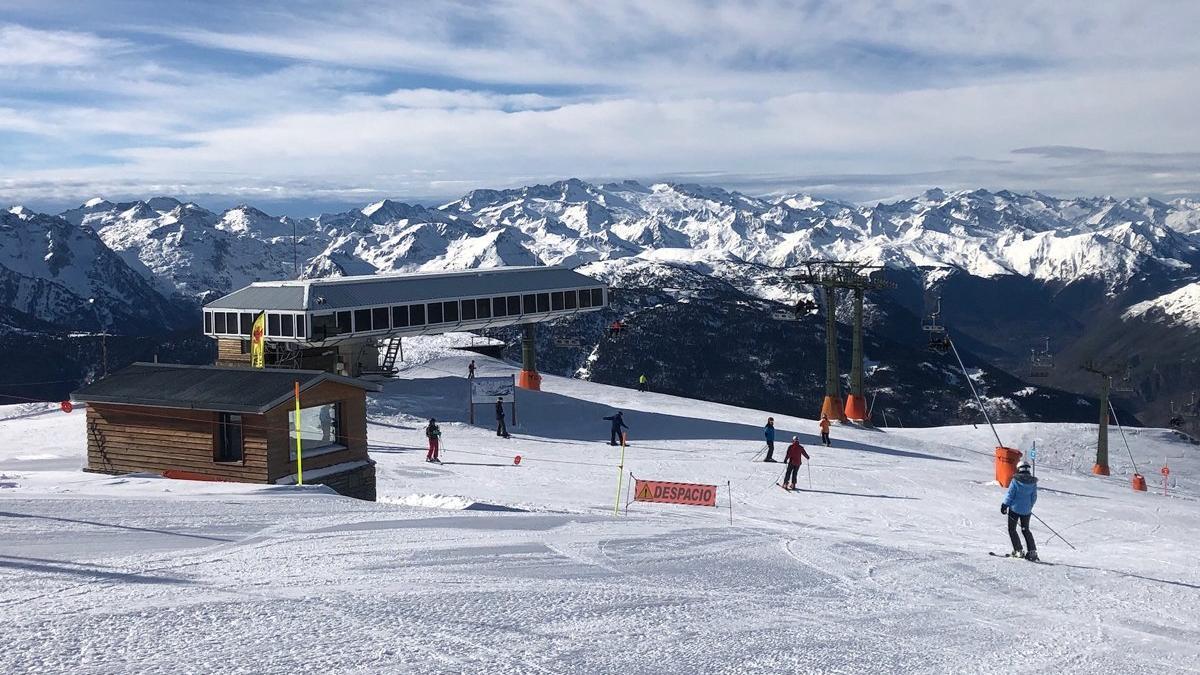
{"points": [[397, 289], [240, 390]]}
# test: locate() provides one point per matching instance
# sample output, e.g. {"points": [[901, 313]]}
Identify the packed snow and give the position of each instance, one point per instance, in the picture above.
{"points": [[878, 564]]}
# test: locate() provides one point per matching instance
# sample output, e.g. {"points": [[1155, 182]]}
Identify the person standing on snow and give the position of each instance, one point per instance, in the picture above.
{"points": [[1018, 505], [825, 430], [795, 457], [618, 423], [501, 429], [471, 370], [769, 434], [642, 383], [434, 434]]}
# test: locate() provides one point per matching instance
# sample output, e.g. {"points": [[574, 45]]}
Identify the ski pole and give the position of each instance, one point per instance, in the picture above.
{"points": [[1055, 533], [810, 475]]}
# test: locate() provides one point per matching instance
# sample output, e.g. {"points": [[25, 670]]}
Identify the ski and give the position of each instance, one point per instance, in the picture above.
{"points": [[784, 488], [1039, 561]]}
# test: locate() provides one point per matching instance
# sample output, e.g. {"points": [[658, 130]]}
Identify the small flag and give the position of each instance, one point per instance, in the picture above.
{"points": [[257, 342]]}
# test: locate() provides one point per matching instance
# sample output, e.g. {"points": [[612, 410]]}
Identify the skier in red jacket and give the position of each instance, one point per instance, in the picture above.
{"points": [[795, 457]]}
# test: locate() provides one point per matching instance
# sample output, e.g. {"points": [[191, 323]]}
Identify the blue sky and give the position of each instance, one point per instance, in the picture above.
{"points": [[310, 105]]}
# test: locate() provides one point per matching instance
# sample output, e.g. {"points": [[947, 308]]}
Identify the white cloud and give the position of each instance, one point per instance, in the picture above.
{"points": [[853, 98], [24, 47]]}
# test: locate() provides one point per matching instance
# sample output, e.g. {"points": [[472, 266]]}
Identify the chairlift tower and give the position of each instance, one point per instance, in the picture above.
{"points": [[1106, 379], [832, 275]]}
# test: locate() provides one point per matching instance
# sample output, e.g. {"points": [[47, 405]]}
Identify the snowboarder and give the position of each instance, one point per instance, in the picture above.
{"points": [[1018, 505], [769, 434], [617, 424], [825, 430], [501, 430], [471, 370], [795, 457], [642, 383], [434, 434]]}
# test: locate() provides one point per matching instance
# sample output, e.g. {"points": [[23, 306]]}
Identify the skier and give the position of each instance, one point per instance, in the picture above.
{"points": [[1018, 505], [501, 430], [614, 329], [617, 423], [326, 420], [642, 383], [471, 370], [825, 430], [795, 457], [769, 434], [434, 434]]}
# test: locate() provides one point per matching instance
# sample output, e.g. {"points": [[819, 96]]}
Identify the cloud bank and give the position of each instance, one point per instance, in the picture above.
{"points": [[335, 101]]}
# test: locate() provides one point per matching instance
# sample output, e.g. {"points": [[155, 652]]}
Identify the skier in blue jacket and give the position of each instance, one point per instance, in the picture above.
{"points": [[769, 435], [1018, 504]]}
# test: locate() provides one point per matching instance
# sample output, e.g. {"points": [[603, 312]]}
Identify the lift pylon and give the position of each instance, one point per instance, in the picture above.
{"points": [[832, 275]]}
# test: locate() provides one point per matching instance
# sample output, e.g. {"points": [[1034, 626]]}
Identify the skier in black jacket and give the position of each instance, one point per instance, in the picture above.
{"points": [[617, 424], [501, 430]]}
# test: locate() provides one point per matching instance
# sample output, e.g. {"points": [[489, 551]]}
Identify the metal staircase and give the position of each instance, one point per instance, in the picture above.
{"points": [[393, 350]]}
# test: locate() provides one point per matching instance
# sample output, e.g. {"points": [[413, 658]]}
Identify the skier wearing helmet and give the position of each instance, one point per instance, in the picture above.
{"points": [[1018, 505]]}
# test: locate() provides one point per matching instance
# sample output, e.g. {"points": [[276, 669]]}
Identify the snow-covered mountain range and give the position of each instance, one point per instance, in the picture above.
{"points": [[1010, 267]]}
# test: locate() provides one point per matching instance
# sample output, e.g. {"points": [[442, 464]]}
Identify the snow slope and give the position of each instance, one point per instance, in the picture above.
{"points": [[880, 567], [1181, 307]]}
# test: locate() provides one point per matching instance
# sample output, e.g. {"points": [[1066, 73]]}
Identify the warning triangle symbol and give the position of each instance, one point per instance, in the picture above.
{"points": [[644, 492]]}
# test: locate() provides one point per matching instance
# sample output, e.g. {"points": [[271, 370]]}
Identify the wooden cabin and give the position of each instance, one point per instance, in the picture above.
{"points": [[230, 424]]}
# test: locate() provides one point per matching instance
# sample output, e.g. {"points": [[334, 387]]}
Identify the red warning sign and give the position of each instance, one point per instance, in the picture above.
{"points": [[692, 494]]}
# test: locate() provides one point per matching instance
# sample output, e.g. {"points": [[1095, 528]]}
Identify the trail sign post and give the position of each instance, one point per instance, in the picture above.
{"points": [[485, 390]]}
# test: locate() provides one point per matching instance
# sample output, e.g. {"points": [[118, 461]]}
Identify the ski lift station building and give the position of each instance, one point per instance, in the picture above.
{"points": [[339, 324]]}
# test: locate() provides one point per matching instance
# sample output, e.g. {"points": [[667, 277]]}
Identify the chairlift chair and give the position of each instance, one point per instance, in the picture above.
{"points": [[938, 340]]}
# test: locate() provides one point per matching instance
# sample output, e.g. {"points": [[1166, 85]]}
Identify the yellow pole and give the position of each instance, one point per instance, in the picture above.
{"points": [[620, 478], [299, 448]]}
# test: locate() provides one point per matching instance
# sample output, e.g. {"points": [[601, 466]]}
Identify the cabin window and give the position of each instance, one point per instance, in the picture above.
{"points": [[231, 322], [320, 429], [416, 315], [287, 325], [569, 299], [400, 316], [597, 297], [556, 301], [273, 325], [379, 318], [219, 322], [230, 442], [450, 311], [514, 305], [247, 323], [468, 310], [300, 325], [585, 298], [530, 304], [362, 320], [435, 312], [208, 322], [343, 322], [499, 307], [483, 308], [324, 326], [543, 302]]}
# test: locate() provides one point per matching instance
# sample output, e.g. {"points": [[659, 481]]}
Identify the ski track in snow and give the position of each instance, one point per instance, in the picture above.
{"points": [[881, 567]]}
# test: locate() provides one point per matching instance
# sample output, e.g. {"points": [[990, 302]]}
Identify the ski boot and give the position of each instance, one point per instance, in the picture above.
{"points": [[1031, 556], [1017, 553]]}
